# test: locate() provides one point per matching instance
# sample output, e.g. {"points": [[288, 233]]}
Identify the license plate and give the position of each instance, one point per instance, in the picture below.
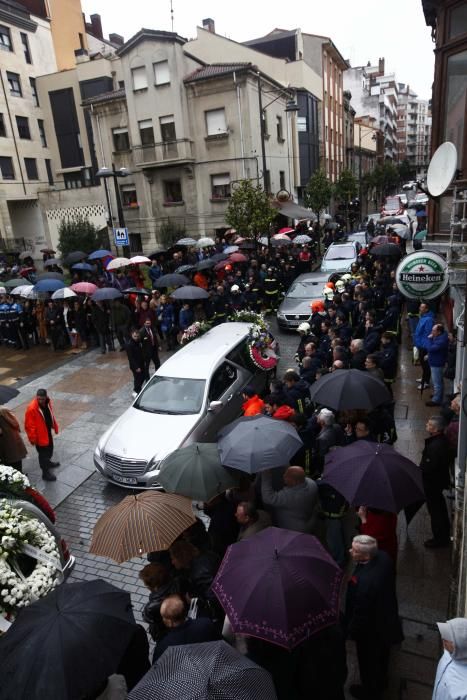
{"points": [[124, 479], [293, 323]]}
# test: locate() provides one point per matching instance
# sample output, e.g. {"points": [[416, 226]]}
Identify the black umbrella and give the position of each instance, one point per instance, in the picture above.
{"points": [[138, 290], [348, 389], [217, 257], [172, 280], [386, 250], [156, 253], [7, 393], [106, 294], [184, 268], [189, 293], [50, 276], [74, 257], [205, 264], [66, 644], [212, 670], [52, 262]]}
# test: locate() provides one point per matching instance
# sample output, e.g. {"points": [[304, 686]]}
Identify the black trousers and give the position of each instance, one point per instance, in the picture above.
{"points": [[426, 372], [138, 380], [438, 510], [373, 661], [45, 455]]}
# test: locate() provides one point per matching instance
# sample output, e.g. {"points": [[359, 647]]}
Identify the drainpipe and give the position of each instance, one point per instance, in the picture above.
{"points": [[239, 108]]}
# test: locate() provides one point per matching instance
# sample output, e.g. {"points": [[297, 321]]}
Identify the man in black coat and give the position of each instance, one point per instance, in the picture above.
{"points": [[149, 345], [371, 615], [358, 354], [435, 472], [134, 350]]}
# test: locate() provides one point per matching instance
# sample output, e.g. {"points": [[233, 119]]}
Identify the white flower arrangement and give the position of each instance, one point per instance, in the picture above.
{"points": [[18, 530], [12, 480], [246, 316]]}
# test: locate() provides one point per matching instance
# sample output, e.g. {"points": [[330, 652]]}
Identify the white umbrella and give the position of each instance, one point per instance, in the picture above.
{"points": [[117, 263], [30, 293], [19, 291], [281, 237], [138, 259], [205, 242], [186, 241], [65, 293]]}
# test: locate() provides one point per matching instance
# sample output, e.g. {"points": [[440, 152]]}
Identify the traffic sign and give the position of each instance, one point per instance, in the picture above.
{"points": [[121, 236]]}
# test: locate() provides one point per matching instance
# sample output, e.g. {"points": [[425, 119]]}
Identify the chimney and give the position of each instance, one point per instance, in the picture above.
{"points": [[381, 66], [96, 26], [209, 25], [116, 39]]}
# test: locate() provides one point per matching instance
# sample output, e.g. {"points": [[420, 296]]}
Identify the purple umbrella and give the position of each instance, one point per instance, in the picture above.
{"points": [[375, 475], [280, 586]]}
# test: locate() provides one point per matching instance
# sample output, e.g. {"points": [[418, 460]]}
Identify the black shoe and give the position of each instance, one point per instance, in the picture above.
{"points": [[436, 544], [54, 464], [48, 476]]}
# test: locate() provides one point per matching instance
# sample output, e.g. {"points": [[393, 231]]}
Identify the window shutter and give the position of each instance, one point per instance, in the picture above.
{"points": [[215, 122], [161, 72], [140, 79], [218, 180]]}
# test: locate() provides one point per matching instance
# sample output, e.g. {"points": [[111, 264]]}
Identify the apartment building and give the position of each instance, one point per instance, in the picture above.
{"points": [[413, 130]]}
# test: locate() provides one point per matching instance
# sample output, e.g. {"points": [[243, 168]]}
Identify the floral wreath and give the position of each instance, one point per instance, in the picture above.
{"points": [[14, 482], [21, 534], [249, 317], [196, 330], [261, 347]]}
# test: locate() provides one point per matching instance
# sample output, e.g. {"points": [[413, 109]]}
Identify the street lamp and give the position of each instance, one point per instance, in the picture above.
{"points": [[106, 173]]}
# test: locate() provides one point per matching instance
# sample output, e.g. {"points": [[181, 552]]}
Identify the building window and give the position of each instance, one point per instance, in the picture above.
{"points": [[48, 167], [25, 42], [6, 168], [161, 73], [140, 79], [282, 179], [2, 126], [456, 95], [136, 243], [172, 191], [22, 124], [302, 124], [279, 129], [5, 39], [40, 126], [146, 132], [215, 122], [14, 83], [73, 181], [167, 126], [31, 168], [458, 21], [121, 139], [129, 196], [35, 97], [220, 186]]}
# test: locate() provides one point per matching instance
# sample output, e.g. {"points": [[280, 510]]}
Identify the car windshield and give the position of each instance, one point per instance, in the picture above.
{"points": [[392, 203], [172, 395], [340, 252], [304, 290]]}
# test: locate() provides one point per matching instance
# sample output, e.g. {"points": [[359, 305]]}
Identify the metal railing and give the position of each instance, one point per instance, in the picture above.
{"points": [[179, 150]]}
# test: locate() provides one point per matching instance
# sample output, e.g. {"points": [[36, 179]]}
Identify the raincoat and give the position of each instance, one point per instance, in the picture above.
{"points": [[451, 676]]}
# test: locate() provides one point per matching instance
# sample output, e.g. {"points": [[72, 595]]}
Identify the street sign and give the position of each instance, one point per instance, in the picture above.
{"points": [[422, 275], [121, 236]]}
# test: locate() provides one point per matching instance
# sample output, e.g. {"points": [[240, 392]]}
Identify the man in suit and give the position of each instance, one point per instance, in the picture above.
{"points": [[371, 615], [134, 351], [149, 347]]}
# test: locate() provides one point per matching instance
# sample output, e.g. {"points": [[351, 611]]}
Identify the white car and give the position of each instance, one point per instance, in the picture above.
{"points": [[339, 257], [194, 394]]}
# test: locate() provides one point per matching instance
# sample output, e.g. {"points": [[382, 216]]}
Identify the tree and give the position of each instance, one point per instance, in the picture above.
{"points": [[406, 171], [318, 193], [80, 234], [170, 232], [249, 210], [345, 189]]}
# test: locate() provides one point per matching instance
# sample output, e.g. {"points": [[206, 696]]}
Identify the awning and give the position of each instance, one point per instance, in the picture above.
{"points": [[295, 211]]}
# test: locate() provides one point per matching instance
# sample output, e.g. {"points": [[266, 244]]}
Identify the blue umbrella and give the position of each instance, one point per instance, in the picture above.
{"points": [[102, 253], [83, 266], [49, 285], [230, 249], [106, 294]]}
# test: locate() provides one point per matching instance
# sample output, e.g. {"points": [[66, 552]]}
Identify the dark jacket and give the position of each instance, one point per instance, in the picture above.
{"points": [[388, 360], [357, 360], [100, 319], [150, 349], [189, 632], [298, 396], [134, 351], [152, 609], [435, 461]]}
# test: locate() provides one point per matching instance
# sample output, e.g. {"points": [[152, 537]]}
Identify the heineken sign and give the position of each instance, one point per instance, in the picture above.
{"points": [[422, 275]]}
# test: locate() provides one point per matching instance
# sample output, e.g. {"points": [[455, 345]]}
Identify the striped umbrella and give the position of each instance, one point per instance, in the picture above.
{"points": [[141, 523]]}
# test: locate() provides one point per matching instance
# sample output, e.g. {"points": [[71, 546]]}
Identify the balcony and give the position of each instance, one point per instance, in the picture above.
{"points": [[158, 155]]}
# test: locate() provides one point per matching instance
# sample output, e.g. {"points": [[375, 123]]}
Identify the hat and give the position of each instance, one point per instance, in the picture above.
{"points": [[329, 285], [318, 305], [305, 327], [346, 277], [328, 293], [340, 285], [235, 288], [455, 631]]}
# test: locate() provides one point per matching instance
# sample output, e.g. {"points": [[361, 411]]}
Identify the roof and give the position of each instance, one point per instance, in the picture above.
{"points": [[152, 34], [106, 97], [216, 70], [198, 359]]}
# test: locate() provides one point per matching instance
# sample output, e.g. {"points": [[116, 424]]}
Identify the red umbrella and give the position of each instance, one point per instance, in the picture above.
{"points": [[238, 257], [221, 265], [84, 287], [281, 237], [287, 229]]}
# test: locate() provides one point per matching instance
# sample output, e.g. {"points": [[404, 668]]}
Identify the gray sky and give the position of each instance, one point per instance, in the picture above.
{"points": [[362, 31]]}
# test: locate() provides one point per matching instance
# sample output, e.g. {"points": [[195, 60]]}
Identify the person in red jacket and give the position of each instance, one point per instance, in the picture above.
{"points": [[39, 422], [253, 405], [382, 526]]}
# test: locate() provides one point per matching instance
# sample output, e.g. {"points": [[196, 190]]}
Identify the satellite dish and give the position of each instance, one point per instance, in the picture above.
{"points": [[442, 169]]}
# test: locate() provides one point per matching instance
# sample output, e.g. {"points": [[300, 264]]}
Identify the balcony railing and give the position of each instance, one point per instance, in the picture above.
{"points": [[159, 154]]}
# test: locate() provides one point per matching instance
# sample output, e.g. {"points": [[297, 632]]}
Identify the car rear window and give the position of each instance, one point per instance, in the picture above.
{"points": [[340, 252]]}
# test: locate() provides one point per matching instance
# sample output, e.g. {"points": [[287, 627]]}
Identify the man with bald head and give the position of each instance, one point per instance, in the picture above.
{"points": [[180, 628], [294, 507]]}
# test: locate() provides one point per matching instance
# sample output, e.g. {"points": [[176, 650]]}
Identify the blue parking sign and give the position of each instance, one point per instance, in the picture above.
{"points": [[121, 236]]}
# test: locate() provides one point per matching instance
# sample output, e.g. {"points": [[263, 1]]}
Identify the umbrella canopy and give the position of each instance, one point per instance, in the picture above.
{"points": [[17, 282], [7, 393], [83, 266], [186, 241], [220, 265], [387, 250], [19, 291], [48, 285], [276, 242], [205, 264], [217, 257], [138, 290], [238, 258], [106, 294], [196, 472], [172, 280], [401, 230], [212, 671], [380, 240], [47, 250], [69, 642], [255, 443], [205, 242], [30, 293], [97, 254], [50, 276], [286, 230], [52, 262], [190, 292], [281, 237], [140, 260], [348, 389], [280, 586], [118, 263], [374, 475], [84, 287], [230, 249], [74, 257], [65, 293], [302, 239], [184, 268], [146, 522]]}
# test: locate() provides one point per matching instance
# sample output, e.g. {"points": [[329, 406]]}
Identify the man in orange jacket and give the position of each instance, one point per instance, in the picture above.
{"points": [[39, 422], [253, 405]]}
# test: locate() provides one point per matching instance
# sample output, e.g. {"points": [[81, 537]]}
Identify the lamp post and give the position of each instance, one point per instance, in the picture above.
{"points": [[106, 173]]}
